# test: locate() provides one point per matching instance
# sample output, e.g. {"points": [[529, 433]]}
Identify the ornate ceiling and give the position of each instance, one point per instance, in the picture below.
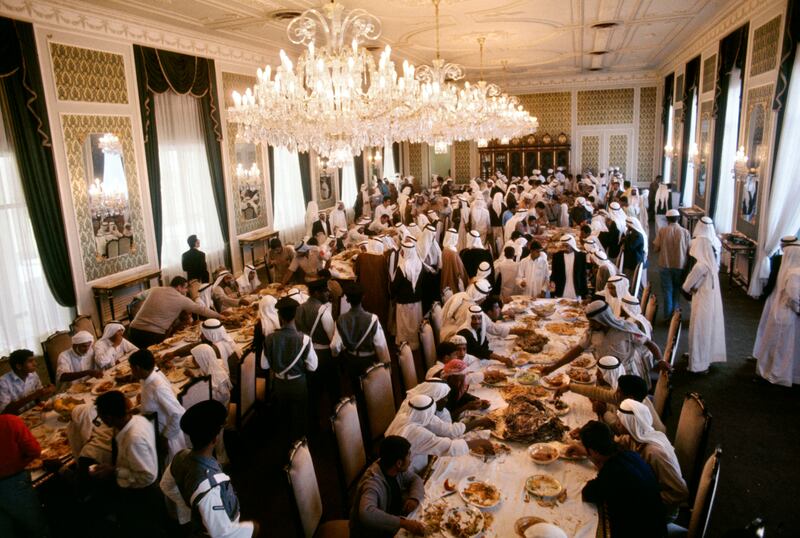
{"points": [[525, 39]]}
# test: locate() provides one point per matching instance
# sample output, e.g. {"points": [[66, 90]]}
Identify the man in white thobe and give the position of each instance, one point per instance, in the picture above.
{"points": [[533, 275]]}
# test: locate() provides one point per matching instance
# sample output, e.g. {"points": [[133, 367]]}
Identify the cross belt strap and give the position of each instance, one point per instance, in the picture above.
{"points": [[366, 333], [283, 372], [320, 312], [207, 485]]}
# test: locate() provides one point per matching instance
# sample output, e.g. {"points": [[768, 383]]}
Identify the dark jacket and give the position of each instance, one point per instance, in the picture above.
{"points": [[559, 274], [628, 488], [321, 227], [633, 245], [193, 262]]}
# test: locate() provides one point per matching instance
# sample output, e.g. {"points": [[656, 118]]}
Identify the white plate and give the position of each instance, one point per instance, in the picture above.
{"points": [[541, 446], [547, 488], [465, 482], [543, 382], [464, 511]]}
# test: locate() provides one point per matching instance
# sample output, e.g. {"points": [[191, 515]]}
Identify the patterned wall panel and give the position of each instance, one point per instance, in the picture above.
{"points": [[461, 152], [605, 107], [590, 153], [757, 124], [618, 151], [709, 73], [647, 133], [677, 137], [77, 129], [88, 75], [678, 89], [553, 110], [234, 82], [765, 47], [415, 161]]}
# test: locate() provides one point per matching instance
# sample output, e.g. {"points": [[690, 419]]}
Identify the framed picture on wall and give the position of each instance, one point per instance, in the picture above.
{"points": [[326, 196]]}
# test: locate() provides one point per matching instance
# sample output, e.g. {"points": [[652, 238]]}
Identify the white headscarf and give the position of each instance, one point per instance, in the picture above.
{"points": [[110, 330], [409, 263], [618, 216], [207, 360], [662, 197], [297, 295], [474, 240], [475, 293], [638, 420], [480, 335], [268, 315], [220, 278], [414, 230], [312, 216], [375, 245], [421, 410], [82, 337], [705, 228], [599, 223], [569, 239], [338, 218], [484, 270], [701, 250], [634, 224], [610, 368], [206, 296], [450, 240], [544, 530], [214, 332], [621, 285], [600, 312], [497, 204], [79, 429], [633, 311], [244, 280]]}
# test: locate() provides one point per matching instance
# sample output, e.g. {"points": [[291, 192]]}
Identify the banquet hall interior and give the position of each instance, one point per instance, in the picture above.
{"points": [[457, 268]]}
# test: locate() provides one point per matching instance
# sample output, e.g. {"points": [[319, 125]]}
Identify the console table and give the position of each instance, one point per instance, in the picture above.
{"points": [[105, 288], [737, 244]]}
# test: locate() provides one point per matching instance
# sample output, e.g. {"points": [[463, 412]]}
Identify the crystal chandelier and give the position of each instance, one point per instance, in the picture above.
{"points": [[248, 176], [110, 144], [337, 100]]}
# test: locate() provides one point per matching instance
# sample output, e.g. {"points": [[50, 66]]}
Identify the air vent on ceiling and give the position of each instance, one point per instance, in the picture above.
{"points": [[284, 14], [595, 69], [599, 52], [604, 25], [374, 48]]}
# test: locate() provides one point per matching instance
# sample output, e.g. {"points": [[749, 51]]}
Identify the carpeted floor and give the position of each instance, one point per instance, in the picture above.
{"points": [[756, 425]]}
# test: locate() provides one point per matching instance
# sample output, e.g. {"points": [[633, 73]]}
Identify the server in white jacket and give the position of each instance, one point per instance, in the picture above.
{"points": [[533, 275]]}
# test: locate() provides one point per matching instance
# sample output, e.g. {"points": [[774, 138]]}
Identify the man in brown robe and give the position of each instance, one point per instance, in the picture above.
{"points": [[453, 275], [372, 272]]}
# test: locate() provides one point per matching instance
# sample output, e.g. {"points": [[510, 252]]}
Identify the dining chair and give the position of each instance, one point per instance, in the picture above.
{"points": [[349, 443], [52, 348], [703, 500], [662, 393], [307, 500], [376, 383], [691, 436], [83, 323], [652, 307], [427, 343], [408, 370]]}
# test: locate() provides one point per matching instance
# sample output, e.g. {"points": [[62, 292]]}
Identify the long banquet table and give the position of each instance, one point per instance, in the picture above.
{"points": [[509, 472]]}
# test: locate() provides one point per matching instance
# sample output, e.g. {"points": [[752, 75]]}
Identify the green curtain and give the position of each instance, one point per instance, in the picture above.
{"points": [[271, 164], [305, 174], [29, 129], [690, 84], [358, 163], [396, 157], [160, 71]]}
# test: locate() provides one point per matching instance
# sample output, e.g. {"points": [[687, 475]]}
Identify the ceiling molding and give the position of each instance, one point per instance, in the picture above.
{"points": [[588, 81], [116, 25], [735, 16]]}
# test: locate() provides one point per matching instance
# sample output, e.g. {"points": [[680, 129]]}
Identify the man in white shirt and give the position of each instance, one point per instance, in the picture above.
{"points": [[21, 387], [194, 481], [77, 362], [134, 467], [533, 274], [505, 267], [158, 397]]}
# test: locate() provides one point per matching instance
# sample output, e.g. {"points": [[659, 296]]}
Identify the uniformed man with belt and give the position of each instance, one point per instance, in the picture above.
{"points": [[358, 338], [315, 320], [290, 355]]}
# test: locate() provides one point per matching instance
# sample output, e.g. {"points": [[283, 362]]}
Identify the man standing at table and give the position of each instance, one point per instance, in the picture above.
{"points": [[672, 246], [20, 509], [159, 311], [193, 261]]}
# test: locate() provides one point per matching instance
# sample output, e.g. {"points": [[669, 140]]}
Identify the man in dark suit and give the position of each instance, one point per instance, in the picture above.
{"points": [[571, 263], [321, 226], [193, 261]]}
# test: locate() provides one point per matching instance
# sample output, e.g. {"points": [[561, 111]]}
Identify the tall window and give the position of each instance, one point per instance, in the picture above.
{"points": [[667, 172], [723, 215], [349, 188], [187, 199], [388, 161], [289, 200], [30, 313], [688, 190]]}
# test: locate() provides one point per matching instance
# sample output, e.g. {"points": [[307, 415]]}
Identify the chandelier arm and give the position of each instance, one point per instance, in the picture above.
{"points": [[303, 30]]}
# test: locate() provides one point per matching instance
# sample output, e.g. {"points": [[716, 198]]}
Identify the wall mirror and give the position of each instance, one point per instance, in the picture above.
{"points": [[108, 195], [248, 177], [756, 151], [705, 153]]}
